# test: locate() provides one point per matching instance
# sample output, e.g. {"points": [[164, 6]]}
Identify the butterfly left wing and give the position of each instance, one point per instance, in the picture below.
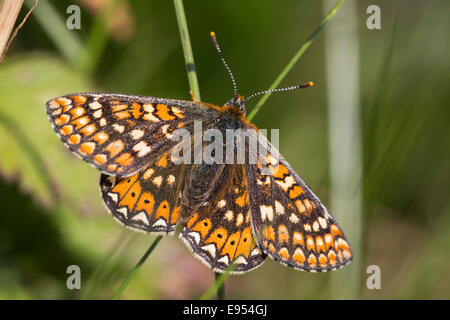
{"points": [[120, 134], [290, 223], [219, 231]]}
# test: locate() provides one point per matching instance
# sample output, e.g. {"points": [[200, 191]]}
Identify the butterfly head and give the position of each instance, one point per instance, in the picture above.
{"points": [[237, 102]]}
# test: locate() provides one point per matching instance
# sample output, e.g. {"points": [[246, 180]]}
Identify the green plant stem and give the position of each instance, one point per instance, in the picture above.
{"points": [[221, 288], [137, 267], [193, 83], [294, 59], [218, 286], [187, 49]]}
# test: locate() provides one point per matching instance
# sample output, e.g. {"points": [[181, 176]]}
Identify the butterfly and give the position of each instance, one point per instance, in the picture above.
{"points": [[231, 214]]}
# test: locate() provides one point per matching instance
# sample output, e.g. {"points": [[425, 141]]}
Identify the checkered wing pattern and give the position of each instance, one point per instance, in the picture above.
{"points": [[232, 214], [219, 232], [290, 223], [119, 134], [148, 200]]}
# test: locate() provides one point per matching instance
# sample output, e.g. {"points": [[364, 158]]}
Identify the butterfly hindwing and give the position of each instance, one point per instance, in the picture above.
{"points": [[289, 222], [148, 200], [119, 134], [219, 232]]}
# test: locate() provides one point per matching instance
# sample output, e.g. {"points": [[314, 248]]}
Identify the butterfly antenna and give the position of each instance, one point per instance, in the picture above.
{"points": [[216, 44], [300, 86]]}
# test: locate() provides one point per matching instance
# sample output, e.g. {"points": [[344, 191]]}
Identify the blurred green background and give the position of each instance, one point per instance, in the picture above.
{"points": [[51, 210]]}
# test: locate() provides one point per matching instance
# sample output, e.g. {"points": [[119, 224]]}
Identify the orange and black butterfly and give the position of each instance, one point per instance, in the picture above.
{"points": [[231, 213]]}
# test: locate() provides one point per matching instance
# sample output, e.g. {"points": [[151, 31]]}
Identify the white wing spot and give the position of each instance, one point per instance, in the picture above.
{"points": [[136, 134], [142, 217], [322, 222], [123, 211], [221, 203], [240, 260], [293, 218], [315, 226], [97, 114], [113, 196], [239, 219], [195, 236], [149, 115], [224, 260], [118, 128], [211, 249], [288, 182], [164, 130], [255, 252], [279, 209], [142, 148], [95, 105], [148, 173], [229, 215], [160, 223], [157, 181], [170, 179], [266, 213]]}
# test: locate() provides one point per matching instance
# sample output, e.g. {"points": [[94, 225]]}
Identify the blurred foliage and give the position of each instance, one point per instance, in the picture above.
{"points": [[52, 215]]}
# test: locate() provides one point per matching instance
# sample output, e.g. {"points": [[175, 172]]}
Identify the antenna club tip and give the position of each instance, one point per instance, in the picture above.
{"points": [[310, 84], [212, 34]]}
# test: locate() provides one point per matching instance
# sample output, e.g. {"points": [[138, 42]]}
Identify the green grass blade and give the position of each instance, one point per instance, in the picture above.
{"points": [[193, 82], [220, 288], [187, 49], [294, 59], [137, 267], [95, 44], [218, 285], [106, 268]]}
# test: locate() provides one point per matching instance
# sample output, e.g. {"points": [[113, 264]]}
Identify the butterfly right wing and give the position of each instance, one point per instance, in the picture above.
{"points": [[289, 221], [120, 134]]}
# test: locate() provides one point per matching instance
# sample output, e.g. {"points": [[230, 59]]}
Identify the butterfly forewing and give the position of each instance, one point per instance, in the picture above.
{"points": [[289, 222], [119, 134]]}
